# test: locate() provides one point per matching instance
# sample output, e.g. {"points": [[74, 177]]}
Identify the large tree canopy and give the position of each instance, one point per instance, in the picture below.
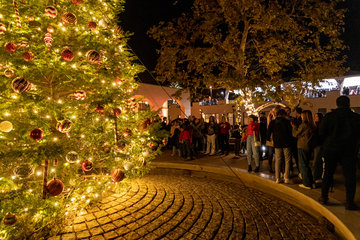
{"points": [[247, 44]]}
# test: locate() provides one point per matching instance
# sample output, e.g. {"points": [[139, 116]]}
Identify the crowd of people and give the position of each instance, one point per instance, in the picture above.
{"points": [[316, 144]]}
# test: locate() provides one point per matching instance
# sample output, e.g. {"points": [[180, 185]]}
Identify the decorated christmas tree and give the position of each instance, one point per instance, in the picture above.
{"points": [[69, 127]]}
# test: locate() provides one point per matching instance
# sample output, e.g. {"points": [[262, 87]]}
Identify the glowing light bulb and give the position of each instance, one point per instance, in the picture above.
{"points": [[13, 177], [47, 116], [38, 173], [7, 114], [59, 101], [55, 139]]}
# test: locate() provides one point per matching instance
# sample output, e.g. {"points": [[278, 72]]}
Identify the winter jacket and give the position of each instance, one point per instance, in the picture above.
{"points": [[303, 133], [340, 131], [281, 132]]}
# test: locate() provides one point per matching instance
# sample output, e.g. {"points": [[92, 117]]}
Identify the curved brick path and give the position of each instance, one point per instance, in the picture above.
{"points": [[181, 207]]}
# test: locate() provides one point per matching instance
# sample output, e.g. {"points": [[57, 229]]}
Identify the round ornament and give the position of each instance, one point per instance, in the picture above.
{"points": [[165, 141], [10, 219], [87, 165], [51, 12], [2, 28], [69, 18], [28, 56], [80, 94], [153, 145], [50, 29], [55, 187], [9, 73], [119, 80], [92, 25], [25, 170], [48, 39], [64, 126], [116, 112], [106, 148], [20, 85], [127, 133], [36, 134], [93, 56], [77, 2], [67, 54], [31, 18], [117, 175], [72, 157], [10, 47], [128, 166], [6, 126], [100, 109]]}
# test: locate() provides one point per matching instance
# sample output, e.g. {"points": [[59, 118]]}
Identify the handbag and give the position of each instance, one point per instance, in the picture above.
{"points": [[257, 143], [270, 143]]}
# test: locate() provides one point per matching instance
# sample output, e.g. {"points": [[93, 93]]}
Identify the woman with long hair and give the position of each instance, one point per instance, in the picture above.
{"points": [[304, 133]]}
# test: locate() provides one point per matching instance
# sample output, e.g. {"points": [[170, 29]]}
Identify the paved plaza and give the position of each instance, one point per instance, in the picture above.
{"points": [[175, 206]]}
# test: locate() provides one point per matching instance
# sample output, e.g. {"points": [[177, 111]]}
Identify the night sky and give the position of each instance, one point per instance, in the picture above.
{"points": [[141, 15]]}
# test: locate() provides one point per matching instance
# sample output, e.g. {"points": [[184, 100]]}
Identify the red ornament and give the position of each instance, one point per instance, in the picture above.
{"points": [[55, 187], [116, 112], [10, 47], [69, 18], [51, 12], [100, 109], [10, 219], [93, 56], [92, 25], [87, 165], [28, 56], [20, 85], [48, 39], [9, 73], [117, 175], [80, 94], [67, 54], [2, 28], [64, 126], [119, 80], [77, 2], [153, 145], [127, 133], [36, 134]]}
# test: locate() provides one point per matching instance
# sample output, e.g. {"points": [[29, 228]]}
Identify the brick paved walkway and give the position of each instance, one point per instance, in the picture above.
{"points": [[184, 207]]}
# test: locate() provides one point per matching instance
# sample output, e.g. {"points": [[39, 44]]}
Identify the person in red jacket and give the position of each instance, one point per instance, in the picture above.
{"points": [[224, 131], [185, 140], [252, 132]]}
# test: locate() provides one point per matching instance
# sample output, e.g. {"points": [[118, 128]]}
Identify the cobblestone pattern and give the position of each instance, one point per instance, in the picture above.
{"points": [[181, 207]]}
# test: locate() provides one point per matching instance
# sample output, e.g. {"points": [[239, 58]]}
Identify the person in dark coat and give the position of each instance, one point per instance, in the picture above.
{"points": [[340, 132], [281, 132]]}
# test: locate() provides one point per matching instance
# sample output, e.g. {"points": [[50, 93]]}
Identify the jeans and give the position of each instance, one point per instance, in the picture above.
{"points": [[348, 161], [303, 160], [210, 144], [317, 167], [279, 153], [237, 146], [197, 145], [187, 149], [224, 143], [270, 156], [251, 150]]}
